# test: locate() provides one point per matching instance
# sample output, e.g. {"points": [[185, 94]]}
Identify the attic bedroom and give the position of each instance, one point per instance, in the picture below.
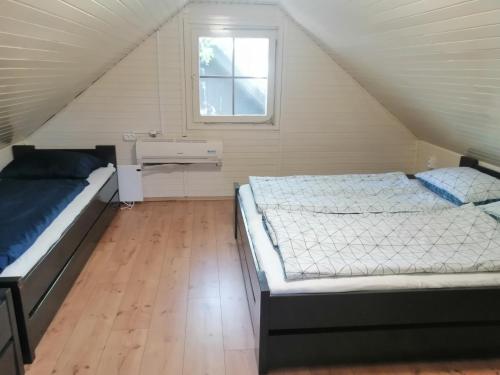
{"points": [[249, 187]]}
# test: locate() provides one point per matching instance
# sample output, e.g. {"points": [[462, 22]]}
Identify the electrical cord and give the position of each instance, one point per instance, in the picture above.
{"points": [[127, 205]]}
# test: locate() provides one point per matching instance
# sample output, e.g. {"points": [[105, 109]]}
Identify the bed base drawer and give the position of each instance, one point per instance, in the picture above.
{"points": [[43, 274], [383, 345], [47, 307], [249, 289], [5, 330], [370, 309], [10, 352], [256, 287], [8, 362], [36, 305]]}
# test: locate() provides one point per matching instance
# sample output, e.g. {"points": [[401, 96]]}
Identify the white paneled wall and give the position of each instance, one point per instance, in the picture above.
{"points": [[5, 156], [53, 49], [440, 157], [124, 99], [443, 158], [328, 124], [434, 63]]}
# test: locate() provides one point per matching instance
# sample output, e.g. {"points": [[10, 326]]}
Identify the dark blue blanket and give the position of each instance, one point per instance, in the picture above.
{"points": [[27, 208]]}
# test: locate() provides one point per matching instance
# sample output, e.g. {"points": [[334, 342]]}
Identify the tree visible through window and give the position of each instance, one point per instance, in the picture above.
{"points": [[234, 78]]}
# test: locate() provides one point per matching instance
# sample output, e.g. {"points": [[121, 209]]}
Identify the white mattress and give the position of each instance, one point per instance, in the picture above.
{"points": [[56, 229], [271, 264]]}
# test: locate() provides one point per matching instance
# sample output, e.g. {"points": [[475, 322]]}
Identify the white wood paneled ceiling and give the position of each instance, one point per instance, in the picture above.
{"points": [[435, 64], [51, 50]]}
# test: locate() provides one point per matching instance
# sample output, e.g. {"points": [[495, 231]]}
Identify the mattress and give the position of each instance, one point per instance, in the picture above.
{"points": [[56, 229], [270, 263]]}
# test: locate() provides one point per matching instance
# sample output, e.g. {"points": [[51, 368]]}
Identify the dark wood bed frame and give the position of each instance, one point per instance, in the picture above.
{"points": [[38, 295], [370, 326]]}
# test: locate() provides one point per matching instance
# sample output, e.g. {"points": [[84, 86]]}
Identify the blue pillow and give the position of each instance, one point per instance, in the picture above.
{"points": [[441, 192], [48, 164]]}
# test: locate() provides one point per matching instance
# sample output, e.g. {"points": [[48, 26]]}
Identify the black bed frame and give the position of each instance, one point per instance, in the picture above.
{"points": [[38, 295], [371, 326]]}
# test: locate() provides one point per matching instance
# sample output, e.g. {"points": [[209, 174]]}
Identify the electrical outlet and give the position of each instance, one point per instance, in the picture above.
{"points": [[129, 137], [431, 162]]}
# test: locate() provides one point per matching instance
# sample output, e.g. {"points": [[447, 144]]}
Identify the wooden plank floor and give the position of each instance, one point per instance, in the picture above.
{"points": [[163, 294]]}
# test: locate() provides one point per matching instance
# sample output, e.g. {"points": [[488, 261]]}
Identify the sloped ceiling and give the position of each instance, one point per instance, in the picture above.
{"points": [[50, 50], [435, 64]]}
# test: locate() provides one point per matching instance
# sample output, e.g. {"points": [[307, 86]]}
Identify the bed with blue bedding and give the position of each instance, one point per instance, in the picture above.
{"points": [[31, 207], [39, 189]]}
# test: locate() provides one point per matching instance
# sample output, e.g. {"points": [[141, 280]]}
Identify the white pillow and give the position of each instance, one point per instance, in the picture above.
{"points": [[462, 184], [492, 208]]}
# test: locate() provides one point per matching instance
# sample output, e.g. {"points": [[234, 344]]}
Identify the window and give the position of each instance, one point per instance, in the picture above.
{"points": [[233, 75]]}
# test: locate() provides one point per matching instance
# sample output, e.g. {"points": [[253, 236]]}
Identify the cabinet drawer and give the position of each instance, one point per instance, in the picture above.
{"points": [[5, 328], [8, 361]]}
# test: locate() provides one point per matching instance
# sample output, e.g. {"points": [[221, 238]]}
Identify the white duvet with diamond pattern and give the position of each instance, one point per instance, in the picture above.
{"points": [[385, 192], [316, 245]]}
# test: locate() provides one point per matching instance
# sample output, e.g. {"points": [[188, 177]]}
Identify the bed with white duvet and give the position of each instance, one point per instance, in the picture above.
{"points": [[271, 263], [372, 312]]}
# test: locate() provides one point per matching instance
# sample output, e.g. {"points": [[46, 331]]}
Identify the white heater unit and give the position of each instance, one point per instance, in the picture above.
{"points": [[156, 151], [130, 183]]}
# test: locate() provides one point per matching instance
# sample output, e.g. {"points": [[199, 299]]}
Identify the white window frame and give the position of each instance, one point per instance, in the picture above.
{"points": [[198, 121]]}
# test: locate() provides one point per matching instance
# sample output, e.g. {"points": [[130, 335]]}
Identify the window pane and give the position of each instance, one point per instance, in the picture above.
{"points": [[216, 96], [251, 57], [250, 97], [216, 56]]}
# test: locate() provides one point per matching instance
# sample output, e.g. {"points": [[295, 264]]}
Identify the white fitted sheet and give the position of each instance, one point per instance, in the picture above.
{"points": [[271, 264], [56, 229]]}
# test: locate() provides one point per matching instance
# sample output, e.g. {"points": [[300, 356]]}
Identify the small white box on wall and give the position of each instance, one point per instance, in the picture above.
{"points": [[130, 183]]}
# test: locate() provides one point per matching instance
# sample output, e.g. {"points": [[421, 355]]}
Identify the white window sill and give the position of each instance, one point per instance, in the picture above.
{"points": [[232, 126]]}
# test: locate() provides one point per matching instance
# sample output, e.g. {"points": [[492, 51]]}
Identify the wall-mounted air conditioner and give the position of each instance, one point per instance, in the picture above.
{"points": [[156, 151]]}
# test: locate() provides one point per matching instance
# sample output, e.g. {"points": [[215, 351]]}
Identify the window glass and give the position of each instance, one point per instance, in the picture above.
{"points": [[234, 82], [250, 96], [216, 56], [251, 57], [216, 97]]}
